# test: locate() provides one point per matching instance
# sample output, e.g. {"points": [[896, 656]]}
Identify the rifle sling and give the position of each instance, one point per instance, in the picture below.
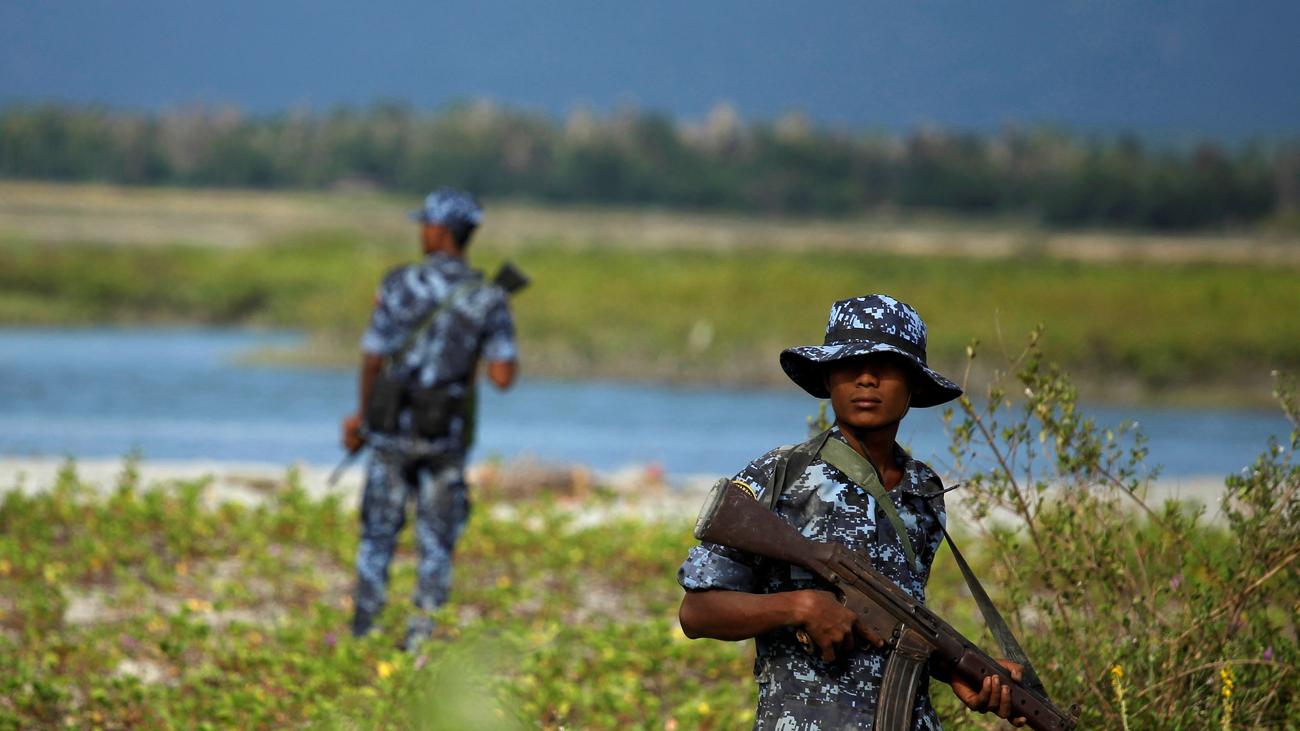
{"points": [[416, 333], [792, 463], [843, 458], [997, 625]]}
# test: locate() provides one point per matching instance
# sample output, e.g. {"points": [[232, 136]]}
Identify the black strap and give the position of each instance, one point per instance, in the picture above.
{"points": [[841, 335], [992, 618], [791, 464]]}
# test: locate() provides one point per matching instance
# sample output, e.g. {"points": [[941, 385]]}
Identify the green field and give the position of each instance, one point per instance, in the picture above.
{"points": [[148, 607], [664, 297], [145, 608]]}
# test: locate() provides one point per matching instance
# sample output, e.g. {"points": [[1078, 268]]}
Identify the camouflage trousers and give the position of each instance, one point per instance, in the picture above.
{"points": [[437, 486]]}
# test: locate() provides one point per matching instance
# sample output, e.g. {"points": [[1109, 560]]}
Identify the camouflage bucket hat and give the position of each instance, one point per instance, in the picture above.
{"points": [[875, 323], [455, 209]]}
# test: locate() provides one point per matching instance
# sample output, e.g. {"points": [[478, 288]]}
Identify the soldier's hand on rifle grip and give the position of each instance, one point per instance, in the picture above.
{"points": [[829, 625], [992, 696], [352, 440]]}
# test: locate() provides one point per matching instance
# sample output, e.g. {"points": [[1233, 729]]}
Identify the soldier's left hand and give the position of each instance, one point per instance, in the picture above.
{"points": [[991, 696], [352, 440]]}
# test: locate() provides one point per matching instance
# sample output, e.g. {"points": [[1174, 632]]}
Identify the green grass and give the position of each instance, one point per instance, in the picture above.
{"points": [[1122, 328], [149, 607]]}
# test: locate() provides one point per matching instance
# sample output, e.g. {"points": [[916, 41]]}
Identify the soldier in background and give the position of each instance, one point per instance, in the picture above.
{"points": [[432, 322]]}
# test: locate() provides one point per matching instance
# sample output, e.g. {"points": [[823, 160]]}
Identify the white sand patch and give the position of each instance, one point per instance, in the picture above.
{"points": [[638, 492]]}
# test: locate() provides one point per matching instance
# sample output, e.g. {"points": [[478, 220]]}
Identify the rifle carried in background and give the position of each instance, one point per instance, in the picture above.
{"points": [[509, 278], [732, 517]]}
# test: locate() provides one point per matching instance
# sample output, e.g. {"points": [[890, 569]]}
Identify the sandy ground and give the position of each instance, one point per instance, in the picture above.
{"points": [[638, 491]]}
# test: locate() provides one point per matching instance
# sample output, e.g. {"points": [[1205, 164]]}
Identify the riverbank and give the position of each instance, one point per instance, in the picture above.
{"points": [[642, 491], [667, 297]]}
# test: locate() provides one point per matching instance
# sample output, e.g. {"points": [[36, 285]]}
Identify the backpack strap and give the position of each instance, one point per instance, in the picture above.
{"points": [[417, 334], [992, 618], [790, 465]]}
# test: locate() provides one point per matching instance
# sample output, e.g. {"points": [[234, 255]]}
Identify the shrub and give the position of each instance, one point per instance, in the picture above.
{"points": [[1149, 614]]}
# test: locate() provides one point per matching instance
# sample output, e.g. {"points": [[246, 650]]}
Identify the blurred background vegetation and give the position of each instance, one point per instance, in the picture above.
{"points": [[789, 165]]}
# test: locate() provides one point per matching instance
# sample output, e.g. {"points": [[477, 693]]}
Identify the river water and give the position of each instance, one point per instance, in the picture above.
{"points": [[180, 394]]}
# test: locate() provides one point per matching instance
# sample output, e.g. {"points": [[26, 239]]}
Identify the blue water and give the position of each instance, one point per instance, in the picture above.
{"points": [[180, 394]]}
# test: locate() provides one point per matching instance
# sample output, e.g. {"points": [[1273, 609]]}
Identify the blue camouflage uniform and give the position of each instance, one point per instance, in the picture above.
{"points": [[475, 324], [798, 691]]}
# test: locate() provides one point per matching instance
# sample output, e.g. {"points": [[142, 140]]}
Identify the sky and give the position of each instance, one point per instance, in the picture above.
{"points": [[1194, 68]]}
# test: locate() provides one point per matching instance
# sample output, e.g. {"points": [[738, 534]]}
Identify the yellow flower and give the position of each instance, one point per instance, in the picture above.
{"points": [[198, 605], [52, 572], [385, 668], [1117, 671], [5, 567], [703, 708]]}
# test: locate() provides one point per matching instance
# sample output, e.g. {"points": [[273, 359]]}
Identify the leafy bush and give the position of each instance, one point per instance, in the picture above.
{"points": [[1151, 615]]}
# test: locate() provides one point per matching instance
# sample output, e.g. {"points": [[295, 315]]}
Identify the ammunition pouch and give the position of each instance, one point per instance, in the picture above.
{"points": [[432, 409], [384, 407]]}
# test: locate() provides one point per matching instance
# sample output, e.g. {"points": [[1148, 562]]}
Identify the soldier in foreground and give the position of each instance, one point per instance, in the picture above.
{"points": [[818, 666], [431, 324]]}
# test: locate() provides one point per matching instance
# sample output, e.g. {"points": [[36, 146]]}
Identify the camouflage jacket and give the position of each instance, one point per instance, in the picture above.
{"points": [[477, 323], [798, 691]]}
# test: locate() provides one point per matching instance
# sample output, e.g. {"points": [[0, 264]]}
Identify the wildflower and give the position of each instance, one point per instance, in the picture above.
{"points": [[52, 572], [198, 605], [1268, 654], [703, 708], [384, 669], [1225, 678], [1117, 683]]}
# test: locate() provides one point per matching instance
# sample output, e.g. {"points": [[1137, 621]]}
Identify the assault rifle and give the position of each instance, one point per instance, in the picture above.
{"points": [[917, 637], [510, 279]]}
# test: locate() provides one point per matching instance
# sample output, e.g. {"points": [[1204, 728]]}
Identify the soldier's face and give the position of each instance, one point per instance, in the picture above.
{"points": [[869, 392]]}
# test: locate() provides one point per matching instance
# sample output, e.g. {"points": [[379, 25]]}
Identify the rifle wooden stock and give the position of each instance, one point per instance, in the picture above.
{"points": [[732, 517]]}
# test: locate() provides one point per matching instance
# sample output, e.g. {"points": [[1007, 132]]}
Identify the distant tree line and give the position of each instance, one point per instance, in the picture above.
{"points": [[636, 157]]}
